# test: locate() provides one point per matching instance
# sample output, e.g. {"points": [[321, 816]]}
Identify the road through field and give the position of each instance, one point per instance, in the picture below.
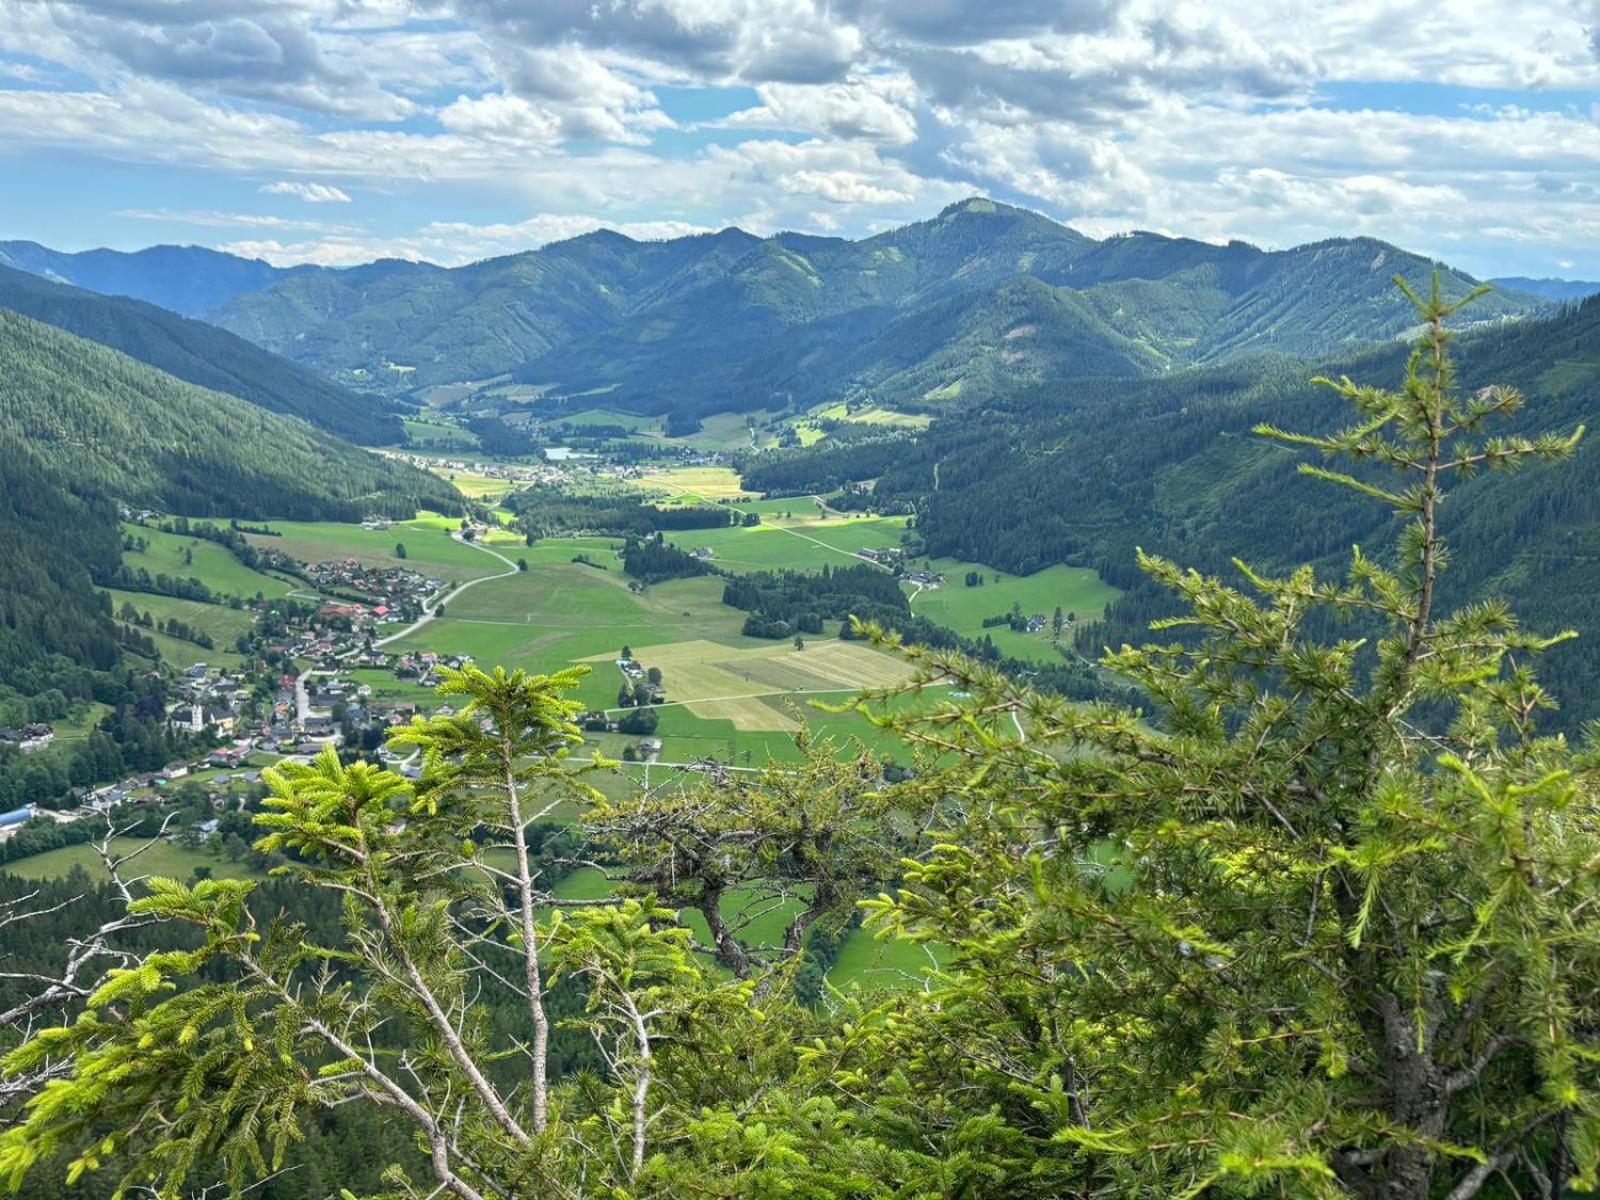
{"points": [[431, 610]]}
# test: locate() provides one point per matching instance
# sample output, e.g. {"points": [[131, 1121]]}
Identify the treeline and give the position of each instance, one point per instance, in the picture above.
{"points": [[826, 466], [172, 626], [544, 511], [231, 537], [784, 603], [132, 738], [139, 579], [497, 438], [651, 560]]}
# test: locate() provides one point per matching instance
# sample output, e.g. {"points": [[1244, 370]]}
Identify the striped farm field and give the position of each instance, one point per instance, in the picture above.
{"points": [[719, 682]]}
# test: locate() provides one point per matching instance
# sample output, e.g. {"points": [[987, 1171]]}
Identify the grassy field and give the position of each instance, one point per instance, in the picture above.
{"points": [[224, 624], [429, 547], [633, 422], [735, 692], [874, 416], [439, 435], [1077, 590], [719, 682], [164, 858], [211, 564], [700, 484], [804, 543], [474, 485]]}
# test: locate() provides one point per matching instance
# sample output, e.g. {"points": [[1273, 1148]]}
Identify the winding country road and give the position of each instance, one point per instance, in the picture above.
{"points": [[431, 610]]}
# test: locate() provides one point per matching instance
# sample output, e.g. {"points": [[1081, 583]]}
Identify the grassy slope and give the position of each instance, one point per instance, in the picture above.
{"points": [[956, 606], [210, 563]]}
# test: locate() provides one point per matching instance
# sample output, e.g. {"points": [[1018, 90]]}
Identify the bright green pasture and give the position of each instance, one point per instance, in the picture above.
{"points": [[1075, 589], [168, 859], [429, 547], [212, 564], [806, 545], [556, 613], [224, 624]]}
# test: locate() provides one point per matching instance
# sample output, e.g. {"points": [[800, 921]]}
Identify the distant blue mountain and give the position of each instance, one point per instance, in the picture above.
{"points": [[185, 279], [1557, 290]]}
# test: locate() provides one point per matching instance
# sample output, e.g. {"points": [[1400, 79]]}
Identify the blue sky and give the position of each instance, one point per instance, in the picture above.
{"points": [[339, 131]]}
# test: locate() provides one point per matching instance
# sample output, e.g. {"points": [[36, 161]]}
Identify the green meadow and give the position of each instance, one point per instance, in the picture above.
{"points": [[210, 563], [429, 546], [169, 859], [1076, 590], [222, 623]]}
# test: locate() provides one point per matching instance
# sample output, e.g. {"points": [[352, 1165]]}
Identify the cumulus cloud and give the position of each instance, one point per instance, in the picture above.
{"points": [[877, 109], [1214, 118], [238, 48], [311, 193]]}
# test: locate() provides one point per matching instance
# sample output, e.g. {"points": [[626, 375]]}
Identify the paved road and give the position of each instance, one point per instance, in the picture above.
{"points": [[429, 611]]}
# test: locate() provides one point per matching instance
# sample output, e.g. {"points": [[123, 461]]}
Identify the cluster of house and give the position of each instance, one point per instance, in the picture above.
{"points": [[30, 738], [633, 670], [150, 787], [516, 472], [927, 579], [423, 665], [393, 593], [207, 699]]}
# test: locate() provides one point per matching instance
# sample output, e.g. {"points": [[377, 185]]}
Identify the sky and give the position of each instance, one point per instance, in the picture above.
{"points": [[339, 131]]}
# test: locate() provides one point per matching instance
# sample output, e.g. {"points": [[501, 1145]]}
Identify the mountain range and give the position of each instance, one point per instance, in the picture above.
{"points": [[980, 299], [1086, 471], [201, 354], [1557, 290], [1088, 395], [189, 280]]}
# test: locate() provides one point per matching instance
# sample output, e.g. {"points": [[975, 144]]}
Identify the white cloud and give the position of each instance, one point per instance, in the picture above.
{"points": [[1213, 118], [212, 219], [311, 193], [875, 109], [452, 242]]}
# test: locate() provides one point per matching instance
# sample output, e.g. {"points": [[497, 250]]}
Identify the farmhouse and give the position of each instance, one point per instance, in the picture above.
{"points": [[29, 739]]}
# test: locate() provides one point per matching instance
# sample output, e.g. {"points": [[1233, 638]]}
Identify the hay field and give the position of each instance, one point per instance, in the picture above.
{"points": [[719, 682]]}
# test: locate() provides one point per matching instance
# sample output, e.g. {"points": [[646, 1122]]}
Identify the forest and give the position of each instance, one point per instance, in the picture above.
{"points": [[1087, 472], [1314, 923]]}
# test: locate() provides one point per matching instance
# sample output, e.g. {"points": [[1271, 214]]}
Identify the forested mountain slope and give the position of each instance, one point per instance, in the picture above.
{"points": [[1086, 471], [99, 420], [443, 326], [83, 427], [186, 279], [979, 299], [201, 354]]}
